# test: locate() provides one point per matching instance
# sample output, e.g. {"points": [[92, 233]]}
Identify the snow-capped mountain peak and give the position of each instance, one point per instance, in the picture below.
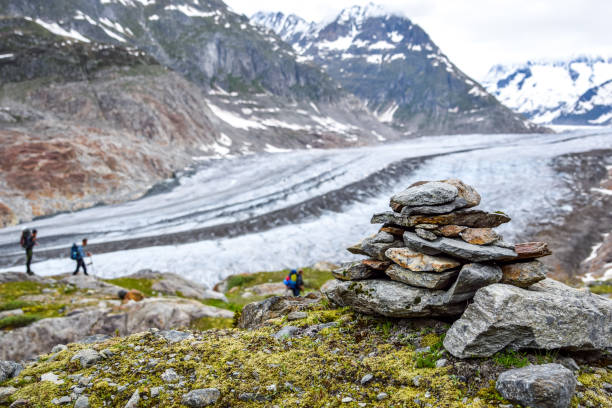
{"points": [[571, 91]]}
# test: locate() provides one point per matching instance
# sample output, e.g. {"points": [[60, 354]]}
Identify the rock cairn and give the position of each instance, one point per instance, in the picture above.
{"points": [[433, 252]]}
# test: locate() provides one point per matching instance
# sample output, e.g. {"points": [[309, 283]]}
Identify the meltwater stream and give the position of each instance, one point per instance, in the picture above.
{"points": [[267, 212]]}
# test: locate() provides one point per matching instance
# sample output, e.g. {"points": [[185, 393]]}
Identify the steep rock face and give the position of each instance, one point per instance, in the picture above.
{"points": [[88, 123], [84, 123], [577, 91], [392, 63], [204, 41]]}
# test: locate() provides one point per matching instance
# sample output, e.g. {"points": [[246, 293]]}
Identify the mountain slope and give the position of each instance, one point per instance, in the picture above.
{"points": [[573, 92], [83, 122], [395, 67]]}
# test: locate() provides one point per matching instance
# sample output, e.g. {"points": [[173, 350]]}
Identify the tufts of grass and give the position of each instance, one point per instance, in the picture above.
{"points": [[13, 304], [603, 289], [428, 359], [15, 321], [510, 359], [207, 323], [143, 285]]}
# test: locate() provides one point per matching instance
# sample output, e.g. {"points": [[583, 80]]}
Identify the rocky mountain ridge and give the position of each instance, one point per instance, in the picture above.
{"points": [[85, 122], [576, 91], [393, 65]]}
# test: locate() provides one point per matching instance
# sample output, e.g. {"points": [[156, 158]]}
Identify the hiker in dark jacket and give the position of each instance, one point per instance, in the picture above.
{"points": [[28, 242], [80, 257]]}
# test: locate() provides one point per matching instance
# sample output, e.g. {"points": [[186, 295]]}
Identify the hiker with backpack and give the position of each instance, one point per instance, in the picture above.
{"points": [[77, 253], [294, 282], [28, 241]]}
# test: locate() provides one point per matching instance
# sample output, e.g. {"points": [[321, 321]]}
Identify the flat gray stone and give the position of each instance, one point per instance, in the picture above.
{"points": [[82, 402], [9, 369], [377, 250], [390, 298], [427, 235], [87, 357], [459, 248], [201, 397], [296, 316], [6, 392], [170, 376], [547, 316], [133, 401], [174, 336], [471, 278], [429, 280], [456, 204], [354, 271], [538, 386], [286, 332], [430, 193]]}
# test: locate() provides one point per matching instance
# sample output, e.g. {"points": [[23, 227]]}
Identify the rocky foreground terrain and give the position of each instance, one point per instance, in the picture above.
{"points": [[498, 333]]}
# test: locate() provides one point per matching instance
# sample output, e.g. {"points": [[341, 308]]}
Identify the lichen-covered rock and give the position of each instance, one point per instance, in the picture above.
{"points": [[538, 386], [6, 392], [459, 249], [9, 369], [419, 262], [357, 249], [172, 284], [550, 316], [530, 250], [202, 397], [390, 298], [523, 274], [450, 231], [160, 313], [428, 280], [354, 271], [87, 357], [479, 236], [467, 218], [425, 234], [256, 314]]}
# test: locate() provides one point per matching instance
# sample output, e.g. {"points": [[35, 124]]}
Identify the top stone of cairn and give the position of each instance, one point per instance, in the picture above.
{"points": [[436, 193]]}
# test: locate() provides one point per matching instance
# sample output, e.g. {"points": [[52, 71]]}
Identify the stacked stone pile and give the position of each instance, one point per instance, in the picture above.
{"points": [[433, 252]]}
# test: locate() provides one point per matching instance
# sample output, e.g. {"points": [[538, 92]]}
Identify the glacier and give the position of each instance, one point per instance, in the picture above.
{"points": [[290, 209]]}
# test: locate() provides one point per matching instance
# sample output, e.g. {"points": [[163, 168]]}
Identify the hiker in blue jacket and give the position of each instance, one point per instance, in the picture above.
{"points": [[294, 282], [78, 254]]}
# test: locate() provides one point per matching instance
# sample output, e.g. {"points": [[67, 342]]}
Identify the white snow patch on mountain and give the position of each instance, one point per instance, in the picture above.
{"points": [[58, 30], [154, 17], [234, 120], [395, 36], [191, 11], [549, 91], [387, 115], [382, 45], [5, 56]]}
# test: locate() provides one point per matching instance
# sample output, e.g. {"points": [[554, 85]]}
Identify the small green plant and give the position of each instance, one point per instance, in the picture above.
{"points": [[546, 357], [143, 285], [427, 359], [510, 358], [13, 304], [15, 321], [385, 328]]}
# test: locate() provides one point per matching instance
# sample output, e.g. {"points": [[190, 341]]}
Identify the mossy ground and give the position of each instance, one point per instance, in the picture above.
{"points": [[22, 295], [317, 370]]}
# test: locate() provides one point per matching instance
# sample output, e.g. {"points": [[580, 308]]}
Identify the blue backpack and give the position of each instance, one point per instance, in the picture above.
{"points": [[74, 252], [291, 279]]}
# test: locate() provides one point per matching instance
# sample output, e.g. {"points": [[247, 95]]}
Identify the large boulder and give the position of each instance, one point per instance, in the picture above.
{"points": [[257, 314], [548, 316], [390, 298], [538, 386], [459, 249], [175, 285], [396, 299], [162, 313]]}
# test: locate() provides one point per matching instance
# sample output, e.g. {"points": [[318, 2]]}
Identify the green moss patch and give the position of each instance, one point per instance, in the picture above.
{"points": [[143, 285]]}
